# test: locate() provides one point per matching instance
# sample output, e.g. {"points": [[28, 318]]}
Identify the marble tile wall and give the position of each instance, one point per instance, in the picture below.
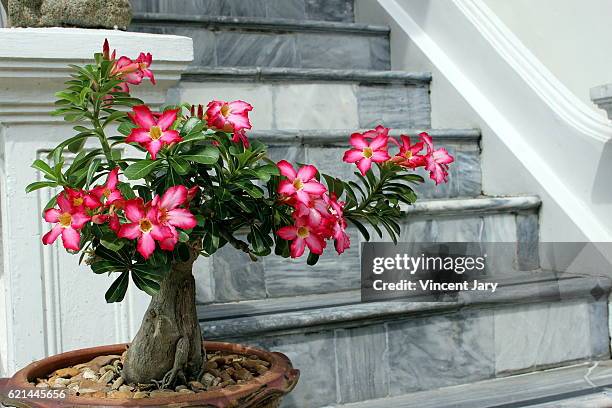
{"points": [[286, 49], [330, 105], [342, 365], [330, 10]]}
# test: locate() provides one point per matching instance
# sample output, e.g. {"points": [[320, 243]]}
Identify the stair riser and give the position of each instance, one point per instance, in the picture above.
{"points": [[284, 49], [235, 278], [321, 104], [341, 365], [328, 10]]}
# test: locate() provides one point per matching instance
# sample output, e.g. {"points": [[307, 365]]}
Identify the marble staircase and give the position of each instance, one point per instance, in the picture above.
{"points": [[314, 76]]}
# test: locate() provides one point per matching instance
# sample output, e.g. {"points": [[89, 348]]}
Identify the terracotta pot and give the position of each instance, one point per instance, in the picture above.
{"points": [[265, 391]]}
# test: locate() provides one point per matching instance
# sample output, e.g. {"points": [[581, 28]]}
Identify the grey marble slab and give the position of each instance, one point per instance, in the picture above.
{"points": [[481, 205], [285, 277], [256, 49], [599, 329], [339, 51], [362, 363], [519, 390], [269, 74], [334, 10], [236, 277], [536, 336], [317, 10], [528, 237], [314, 355], [243, 42], [393, 106], [441, 351]]}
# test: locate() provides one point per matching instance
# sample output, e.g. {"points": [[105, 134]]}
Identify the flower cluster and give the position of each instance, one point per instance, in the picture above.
{"points": [[317, 215], [373, 147], [148, 223], [129, 70]]}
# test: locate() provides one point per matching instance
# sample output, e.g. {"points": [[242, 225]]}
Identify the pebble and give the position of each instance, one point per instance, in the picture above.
{"points": [[67, 372], [186, 391], [107, 377], [196, 385], [140, 394], [89, 374], [125, 388], [117, 383]]}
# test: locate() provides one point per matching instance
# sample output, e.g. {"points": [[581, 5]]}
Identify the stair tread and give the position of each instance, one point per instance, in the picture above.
{"points": [[541, 389], [261, 23], [258, 316], [313, 74], [340, 136]]}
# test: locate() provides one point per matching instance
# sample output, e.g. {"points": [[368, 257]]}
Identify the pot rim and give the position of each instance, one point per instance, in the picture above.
{"points": [[279, 380]]}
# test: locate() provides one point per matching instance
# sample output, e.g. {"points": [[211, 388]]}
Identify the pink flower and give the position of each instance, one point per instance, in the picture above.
{"points": [[153, 133], [408, 155], [192, 193], [144, 62], [144, 226], [302, 234], [301, 184], [108, 193], [133, 71], [240, 136], [172, 217], [314, 210], [106, 54], [228, 116], [68, 221], [81, 200], [342, 241], [437, 161], [377, 131], [365, 153]]}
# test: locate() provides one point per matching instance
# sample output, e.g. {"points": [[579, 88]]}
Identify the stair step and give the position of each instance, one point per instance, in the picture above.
{"points": [[325, 148], [293, 98], [388, 350], [251, 41], [229, 276], [564, 387], [317, 10]]}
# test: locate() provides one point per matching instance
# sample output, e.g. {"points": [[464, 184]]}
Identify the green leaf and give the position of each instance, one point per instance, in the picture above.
{"points": [[39, 184], [125, 128], [145, 284], [250, 189], [361, 228], [204, 155], [104, 267], [93, 167], [312, 259], [180, 165], [112, 244], [266, 171], [191, 125], [117, 290], [140, 169], [126, 190], [44, 168]]}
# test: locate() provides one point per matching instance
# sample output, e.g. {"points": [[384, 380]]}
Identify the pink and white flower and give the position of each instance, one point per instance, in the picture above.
{"points": [[68, 223], [228, 116], [302, 234], [408, 155], [144, 226], [437, 160], [153, 132], [300, 184], [108, 193], [172, 217], [365, 153]]}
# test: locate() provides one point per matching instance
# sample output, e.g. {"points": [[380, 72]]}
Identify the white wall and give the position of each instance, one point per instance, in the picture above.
{"points": [[572, 38], [503, 174]]}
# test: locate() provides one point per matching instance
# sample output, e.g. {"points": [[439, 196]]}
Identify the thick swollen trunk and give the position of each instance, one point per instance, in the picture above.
{"points": [[168, 347]]}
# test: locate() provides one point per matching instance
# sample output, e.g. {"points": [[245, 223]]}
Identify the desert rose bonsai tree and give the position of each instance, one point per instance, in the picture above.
{"points": [[196, 184]]}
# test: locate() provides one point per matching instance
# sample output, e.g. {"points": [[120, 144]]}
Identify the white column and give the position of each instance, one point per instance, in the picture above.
{"points": [[48, 303]]}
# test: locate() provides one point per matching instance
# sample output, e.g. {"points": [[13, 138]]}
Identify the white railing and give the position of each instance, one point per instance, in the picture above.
{"points": [[559, 140]]}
